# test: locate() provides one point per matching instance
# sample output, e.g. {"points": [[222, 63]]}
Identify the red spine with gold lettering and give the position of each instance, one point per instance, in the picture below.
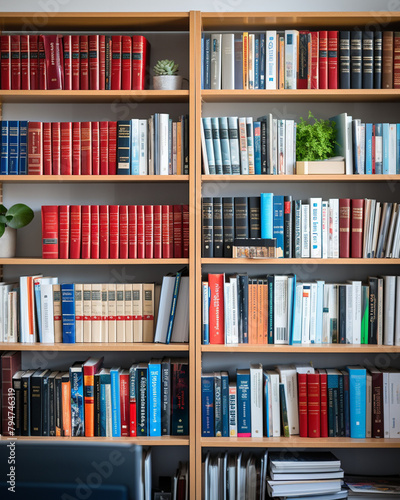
{"points": [[123, 231], [67, 39], [185, 231], [112, 148], [116, 62], [104, 231], [34, 62], [25, 63], [15, 62], [396, 60], [94, 71], [66, 148], [84, 62], [53, 62], [357, 224], [50, 240], [114, 231], [102, 62], [126, 64], [132, 231], [86, 222], [177, 231], [216, 284], [313, 405], [323, 402], [303, 424], [140, 55], [94, 232], [56, 147], [148, 231], [124, 402], [64, 227], [75, 232], [103, 148], [86, 148], [323, 59], [344, 228], [47, 149], [140, 232], [75, 62], [35, 149], [76, 148], [333, 74], [5, 47], [42, 64], [95, 148], [157, 232], [167, 235]]}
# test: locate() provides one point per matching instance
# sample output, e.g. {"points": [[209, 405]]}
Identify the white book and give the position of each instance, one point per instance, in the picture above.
{"points": [[305, 328], [232, 409], [319, 311], [291, 59], [270, 72], [298, 314], [137, 309], [368, 422], [180, 329], [28, 331], [325, 229], [244, 159], [281, 143], [325, 316], [104, 312], [344, 145], [396, 238], [349, 145], [313, 313], [305, 230], [392, 149], [3, 314], [227, 310], [143, 147], [96, 312], [281, 331], [394, 403], [4, 291], [112, 312], [334, 228], [397, 314], [251, 61], [356, 309], [175, 146], [256, 394], [234, 310], [167, 292], [204, 156], [250, 143], [135, 147], [150, 144], [289, 153], [47, 312], [393, 220], [87, 312], [376, 228], [78, 312], [349, 314], [389, 301], [386, 405], [215, 61], [228, 61], [288, 377], [371, 229], [380, 312], [275, 413], [128, 311], [12, 312], [163, 134], [315, 227]]}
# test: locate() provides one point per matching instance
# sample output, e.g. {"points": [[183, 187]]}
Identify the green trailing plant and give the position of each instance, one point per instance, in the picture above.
{"points": [[166, 67], [315, 141], [17, 216]]}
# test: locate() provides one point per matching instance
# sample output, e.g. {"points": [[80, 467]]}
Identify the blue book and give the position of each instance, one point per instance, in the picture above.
{"points": [[207, 61], [123, 147], [267, 226], [233, 131], [243, 403], [173, 306], [225, 403], [154, 385], [207, 405], [262, 61], [225, 149], [320, 307], [115, 403], [68, 312], [13, 147], [4, 148], [266, 404], [134, 169], [77, 401], [257, 62], [368, 148], [209, 144], [238, 62], [333, 401], [202, 61], [385, 148], [397, 148], [257, 147], [23, 148], [278, 209], [358, 401], [217, 145], [218, 404], [105, 402], [378, 149]]}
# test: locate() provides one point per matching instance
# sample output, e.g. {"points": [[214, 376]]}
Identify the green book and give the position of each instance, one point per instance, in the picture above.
{"points": [[364, 314]]}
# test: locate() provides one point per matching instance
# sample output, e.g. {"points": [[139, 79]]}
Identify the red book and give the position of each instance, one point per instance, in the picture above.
{"points": [[42, 64], [86, 221], [76, 148], [126, 64], [102, 62], [50, 232], [148, 231], [53, 62], [84, 62], [344, 228], [140, 232], [333, 74], [75, 232], [25, 63], [114, 231], [132, 414], [357, 224], [10, 365], [95, 148], [67, 62], [123, 232], [56, 147], [373, 149], [47, 149], [66, 148], [302, 394], [324, 402], [15, 62], [216, 310], [116, 62], [124, 402], [34, 62], [90, 368], [103, 148], [5, 47], [104, 231], [167, 234], [377, 403], [94, 232], [75, 62], [35, 150], [313, 405], [177, 231], [185, 230], [323, 59], [94, 73], [157, 231], [112, 148], [140, 55], [132, 231], [86, 148], [64, 226], [396, 60]]}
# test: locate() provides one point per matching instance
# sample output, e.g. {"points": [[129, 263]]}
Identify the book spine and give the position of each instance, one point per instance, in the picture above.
{"points": [[86, 148], [126, 63], [104, 245], [15, 62], [84, 62], [64, 231], [344, 59], [157, 232], [378, 60], [324, 405], [13, 147], [85, 230], [66, 148], [377, 405], [332, 59], [140, 61], [140, 232], [25, 62], [113, 231], [50, 240], [68, 313], [357, 223], [207, 227], [94, 232], [368, 60], [75, 232], [243, 398], [67, 43], [35, 149], [124, 403], [303, 410], [387, 59], [95, 148], [94, 73], [314, 405], [344, 227], [323, 60], [207, 406], [148, 228], [142, 395], [5, 48], [116, 62], [355, 59]]}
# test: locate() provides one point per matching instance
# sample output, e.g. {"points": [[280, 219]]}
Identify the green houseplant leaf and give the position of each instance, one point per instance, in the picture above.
{"points": [[315, 141], [19, 215]]}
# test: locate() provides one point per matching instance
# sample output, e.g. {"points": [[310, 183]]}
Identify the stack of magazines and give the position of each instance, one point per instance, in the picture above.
{"points": [[373, 488]]}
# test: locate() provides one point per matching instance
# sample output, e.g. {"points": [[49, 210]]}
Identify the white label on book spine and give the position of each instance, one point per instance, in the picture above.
{"points": [[305, 231], [256, 390], [271, 60]]}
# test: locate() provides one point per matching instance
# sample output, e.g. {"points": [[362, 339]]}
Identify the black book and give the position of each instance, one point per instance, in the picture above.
{"points": [[254, 217], [241, 217], [58, 403], [243, 285], [26, 402], [52, 403], [108, 59], [166, 397], [180, 398], [287, 227], [336, 411], [186, 146], [341, 426], [368, 60], [217, 227], [37, 402], [96, 390], [45, 405], [271, 325], [141, 391], [344, 59], [207, 227], [17, 386], [378, 60], [355, 59], [228, 230], [264, 147], [342, 314], [373, 311]]}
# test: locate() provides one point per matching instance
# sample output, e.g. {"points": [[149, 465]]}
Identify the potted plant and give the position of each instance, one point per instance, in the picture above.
{"points": [[14, 218], [315, 143], [166, 75]]}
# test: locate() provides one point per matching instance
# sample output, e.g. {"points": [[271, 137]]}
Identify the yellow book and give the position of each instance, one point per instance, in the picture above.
{"points": [[245, 61]]}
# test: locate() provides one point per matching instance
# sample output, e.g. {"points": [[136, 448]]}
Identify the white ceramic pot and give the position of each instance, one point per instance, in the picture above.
{"points": [[167, 82], [8, 243]]}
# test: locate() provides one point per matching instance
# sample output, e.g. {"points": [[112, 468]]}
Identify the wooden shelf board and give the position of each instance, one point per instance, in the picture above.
{"points": [[301, 95], [298, 442], [93, 96], [22, 261], [53, 179], [146, 441], [322, 262], [299, 178], [111, 346], [306, 348]]}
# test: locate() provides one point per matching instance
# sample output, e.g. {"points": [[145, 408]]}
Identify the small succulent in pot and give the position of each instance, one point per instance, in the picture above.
{"points": [[166, 75]]}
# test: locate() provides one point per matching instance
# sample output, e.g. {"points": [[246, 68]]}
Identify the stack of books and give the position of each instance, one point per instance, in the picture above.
{"points": [[372, 488]]}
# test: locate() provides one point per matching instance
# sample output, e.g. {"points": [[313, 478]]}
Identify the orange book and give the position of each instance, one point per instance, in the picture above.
{"points": [[90, 367], [260, 313], [66, 405], [265, 310], [250, 311], [281, 64], [245, 61], [179, 148]]}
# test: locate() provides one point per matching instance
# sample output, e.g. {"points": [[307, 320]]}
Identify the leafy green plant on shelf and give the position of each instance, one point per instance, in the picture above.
{"points": [[166, 67], [166, 75], [315, 139], [17, 216]]}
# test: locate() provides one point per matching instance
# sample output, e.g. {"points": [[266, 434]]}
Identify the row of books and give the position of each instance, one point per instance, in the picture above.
{"points": [[115, 231], [39, 308], [151, 146], [149, 399], [74, 62], [300, 400], [276, 309], [292, 59], [337, 228]]}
